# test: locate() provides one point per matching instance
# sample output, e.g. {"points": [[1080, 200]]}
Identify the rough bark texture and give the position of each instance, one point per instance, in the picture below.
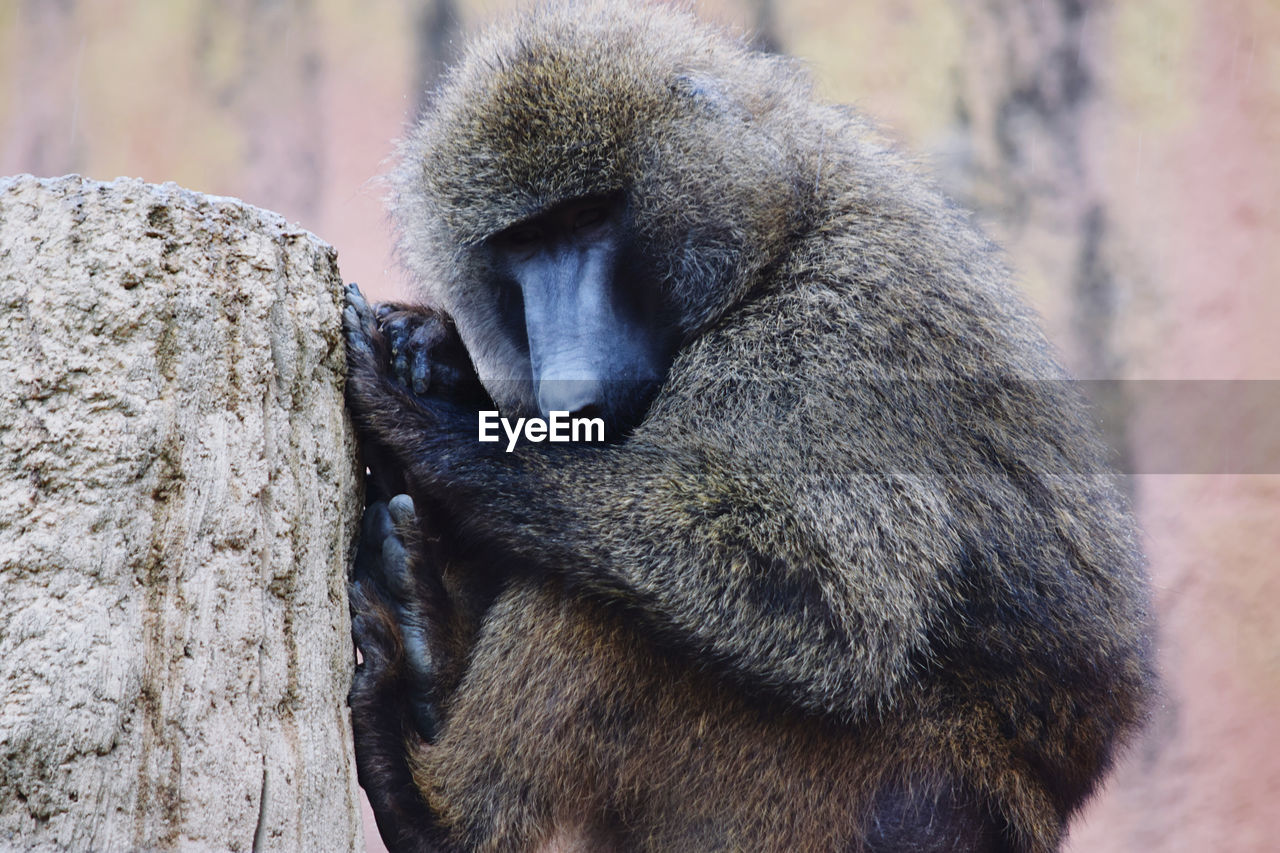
{"points": [[177, 499]]}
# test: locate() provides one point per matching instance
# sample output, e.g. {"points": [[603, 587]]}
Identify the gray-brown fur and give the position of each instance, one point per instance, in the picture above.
{"points": [[861, 565]]}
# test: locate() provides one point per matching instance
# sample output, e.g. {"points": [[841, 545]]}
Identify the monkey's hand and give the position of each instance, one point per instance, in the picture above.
{"points": [[394, 698], [389, 614], [419, 346], [402, 360]]}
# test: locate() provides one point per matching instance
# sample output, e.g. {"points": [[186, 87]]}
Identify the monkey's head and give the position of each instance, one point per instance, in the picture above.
{"points": [[592, 188]]}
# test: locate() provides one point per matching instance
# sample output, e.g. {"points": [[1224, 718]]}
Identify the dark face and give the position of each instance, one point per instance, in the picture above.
{"points": [[576, 288]]}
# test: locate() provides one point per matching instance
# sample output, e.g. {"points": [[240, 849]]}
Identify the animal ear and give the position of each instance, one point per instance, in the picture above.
{"points": [[707, 92]]}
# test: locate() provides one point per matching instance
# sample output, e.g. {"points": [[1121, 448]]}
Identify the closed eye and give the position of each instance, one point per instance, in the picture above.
{"points": [[589, 217], [522, 236]]}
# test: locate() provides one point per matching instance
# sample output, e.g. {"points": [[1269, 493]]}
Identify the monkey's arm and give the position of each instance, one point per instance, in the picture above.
{"points": [[394, 695], [736, 567], [725, 561]]}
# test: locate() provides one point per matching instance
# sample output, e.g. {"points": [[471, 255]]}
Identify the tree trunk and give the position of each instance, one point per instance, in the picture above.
{"points": [[178, 493]]}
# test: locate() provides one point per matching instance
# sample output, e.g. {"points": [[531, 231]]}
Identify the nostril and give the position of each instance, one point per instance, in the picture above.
{"points": [[591, 410]]}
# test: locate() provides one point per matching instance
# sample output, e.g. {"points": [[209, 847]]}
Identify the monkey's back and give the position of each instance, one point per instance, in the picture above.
{"points": [[886, 375]]}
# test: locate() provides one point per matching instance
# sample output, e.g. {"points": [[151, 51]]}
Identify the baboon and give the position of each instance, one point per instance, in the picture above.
{"points": [[849, 572]]}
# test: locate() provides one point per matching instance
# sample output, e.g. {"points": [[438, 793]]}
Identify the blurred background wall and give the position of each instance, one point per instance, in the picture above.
{"points": [[1126, 153]]}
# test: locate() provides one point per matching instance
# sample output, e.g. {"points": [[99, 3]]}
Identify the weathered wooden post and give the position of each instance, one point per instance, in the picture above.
{"points": [[178, 493]]}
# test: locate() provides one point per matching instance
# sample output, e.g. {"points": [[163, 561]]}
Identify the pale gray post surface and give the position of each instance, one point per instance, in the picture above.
{"points": [[178, 494]]}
